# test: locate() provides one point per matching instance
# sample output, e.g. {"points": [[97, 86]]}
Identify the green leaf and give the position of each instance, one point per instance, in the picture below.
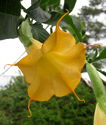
{"points": [[54, 18], [77, 22], [34, 4], [98, 87], [102, 55], [8, 26], [39, 33], [11, 7], [34, 1], [49, 3], [9, 17], [69, 4], [73, 28], [25, 34], [37, 13]]}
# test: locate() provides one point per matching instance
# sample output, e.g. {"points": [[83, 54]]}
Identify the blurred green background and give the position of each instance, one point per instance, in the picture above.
{"points": [[57, 111]]}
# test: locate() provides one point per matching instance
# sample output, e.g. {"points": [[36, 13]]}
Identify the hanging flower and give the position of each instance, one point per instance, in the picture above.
{"points": [[54, 67]]}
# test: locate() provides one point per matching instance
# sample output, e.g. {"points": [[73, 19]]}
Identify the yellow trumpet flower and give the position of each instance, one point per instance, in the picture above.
{"points": [[54, 67], [99, 117]]}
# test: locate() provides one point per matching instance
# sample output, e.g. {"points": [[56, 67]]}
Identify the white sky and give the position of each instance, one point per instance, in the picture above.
{"points": [[12, 49]]}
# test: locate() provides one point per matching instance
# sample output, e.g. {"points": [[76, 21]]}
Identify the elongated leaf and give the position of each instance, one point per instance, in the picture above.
{"points": [[34, 1], [77, 22], [69, 4], [98, 87], [37, 13], [54, 18], [49, 3], [9, 16], [39, 32], [8, 26], [34, 4], [73, 28], [102, 55], [12, 7]]}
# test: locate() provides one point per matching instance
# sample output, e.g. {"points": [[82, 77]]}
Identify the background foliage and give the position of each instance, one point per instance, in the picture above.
{"points": [[91, 15], [57, 111]]}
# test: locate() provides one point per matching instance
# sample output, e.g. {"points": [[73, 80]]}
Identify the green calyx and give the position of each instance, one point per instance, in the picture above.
{"points": [[97, 85], [25, 34]]}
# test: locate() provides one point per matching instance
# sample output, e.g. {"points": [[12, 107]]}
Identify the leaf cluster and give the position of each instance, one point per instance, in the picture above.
{"points": [[40, 12]]}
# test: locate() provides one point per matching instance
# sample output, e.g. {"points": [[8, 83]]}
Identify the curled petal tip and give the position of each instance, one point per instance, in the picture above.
{"points": [[82, 100], [67, 11], [29, 110], [8, 65], [96, 45], [58, 22], [30, 115]]}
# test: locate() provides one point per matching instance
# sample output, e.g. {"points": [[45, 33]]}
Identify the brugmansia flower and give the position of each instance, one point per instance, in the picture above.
{"points": [[54, 67]]}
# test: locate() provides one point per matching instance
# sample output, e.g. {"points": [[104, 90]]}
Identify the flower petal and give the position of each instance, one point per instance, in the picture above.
{"points": [[55, 76], [59, 40], [70, 66], [27, 63], [48, 82], [99, 117]]}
